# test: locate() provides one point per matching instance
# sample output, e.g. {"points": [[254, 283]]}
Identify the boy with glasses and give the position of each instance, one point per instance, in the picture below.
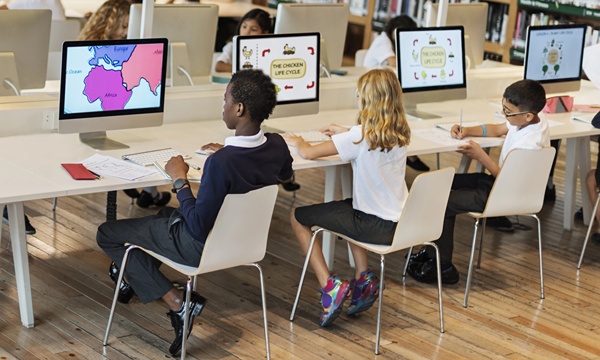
{"points": [[524, 129]]}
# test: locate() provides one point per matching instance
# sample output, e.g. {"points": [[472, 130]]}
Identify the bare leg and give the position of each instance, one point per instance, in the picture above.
{"points": [[592, 188], [317, 260], [360, 260], [174, 299]]}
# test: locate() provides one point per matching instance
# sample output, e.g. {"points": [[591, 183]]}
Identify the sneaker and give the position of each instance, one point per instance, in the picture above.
{"points": [[146, 200], [332, 299], [197, 303], [365, 292], [500, 223], [29, 229], [416, 164], [426, 272], [290, 185], [596, 238], [126, 291]]}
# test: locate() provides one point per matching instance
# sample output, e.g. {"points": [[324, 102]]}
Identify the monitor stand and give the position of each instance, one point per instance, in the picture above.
{"points": [[179, 62], [99, 141], [9, 81], [411, 109]]}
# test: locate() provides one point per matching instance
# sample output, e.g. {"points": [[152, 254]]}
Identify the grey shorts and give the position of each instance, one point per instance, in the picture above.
{"points": [[341, 217]]}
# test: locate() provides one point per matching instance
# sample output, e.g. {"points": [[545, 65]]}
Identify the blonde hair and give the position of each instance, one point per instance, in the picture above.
{"points": [[381, 111], [106, 20]]}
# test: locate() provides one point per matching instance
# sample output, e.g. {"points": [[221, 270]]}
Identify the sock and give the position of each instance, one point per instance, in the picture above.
{"points": [[152, 190]]}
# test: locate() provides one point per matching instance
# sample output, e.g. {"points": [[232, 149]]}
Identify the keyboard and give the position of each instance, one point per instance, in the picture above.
{"points": [[147, 158], [312, 136]]}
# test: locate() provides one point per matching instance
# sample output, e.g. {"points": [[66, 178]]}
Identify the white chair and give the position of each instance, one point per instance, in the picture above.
{"points": [[589, 230], [518, 190], [228, 245], [60, 31], [420, 223], [359, 57]]}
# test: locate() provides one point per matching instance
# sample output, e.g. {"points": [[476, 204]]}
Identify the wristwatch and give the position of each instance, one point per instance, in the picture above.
{"points": [[179, 184]]}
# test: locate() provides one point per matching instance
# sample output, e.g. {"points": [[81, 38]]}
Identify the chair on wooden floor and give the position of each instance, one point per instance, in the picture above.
{"points": [[518, 190], [227, 246], [420, 223], [589, 230]]}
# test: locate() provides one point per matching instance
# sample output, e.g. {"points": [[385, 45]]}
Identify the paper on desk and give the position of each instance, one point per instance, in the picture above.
{"points": [[438, 136], [448, 126], [117, 168], [587, 118]]}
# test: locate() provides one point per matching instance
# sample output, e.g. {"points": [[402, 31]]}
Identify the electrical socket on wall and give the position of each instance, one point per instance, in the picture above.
{"points": [[48, 120]]}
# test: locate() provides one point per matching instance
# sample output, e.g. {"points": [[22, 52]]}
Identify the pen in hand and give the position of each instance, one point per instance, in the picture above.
{"points": [[460, 121]]}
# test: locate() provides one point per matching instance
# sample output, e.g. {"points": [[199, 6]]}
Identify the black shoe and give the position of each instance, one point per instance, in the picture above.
{"points": [[29, 229], [550, 194], [197, 302], [579, 214], [500, 223], [417, 164], [146, 200], [420, 256], [126, 292], [426, 272], [290, 186], [132, 193], [596, 238]]}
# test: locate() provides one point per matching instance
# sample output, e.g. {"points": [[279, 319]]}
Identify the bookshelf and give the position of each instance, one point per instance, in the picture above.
{"points": [[500, 48], [359, 28]]}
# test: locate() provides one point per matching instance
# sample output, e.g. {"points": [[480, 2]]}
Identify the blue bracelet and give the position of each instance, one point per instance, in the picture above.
{"points": [[484, 130]]}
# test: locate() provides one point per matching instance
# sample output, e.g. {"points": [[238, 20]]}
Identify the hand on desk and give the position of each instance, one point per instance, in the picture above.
{"points": [[293, 140], [457, 132], [210, 148], [333, 129], [177, 168]]}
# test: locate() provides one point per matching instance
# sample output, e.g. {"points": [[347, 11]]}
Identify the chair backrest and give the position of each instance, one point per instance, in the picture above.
{"points": [[359, 57], [60, 31], [520, 185], [240, 233], [423, 213]]}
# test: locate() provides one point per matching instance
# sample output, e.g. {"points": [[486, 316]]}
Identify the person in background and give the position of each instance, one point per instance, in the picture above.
{"points": [[592, 180], [382, 52], [249, 160], [110, 22], [58, 11], [376, 149]]}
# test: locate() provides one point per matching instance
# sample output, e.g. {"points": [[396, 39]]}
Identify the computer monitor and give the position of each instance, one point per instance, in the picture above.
{"points": [[24, 36], [553, 56], [292, 62], [192, 32], [331, 20], [473, 17], [431, 66], [109, 85]]}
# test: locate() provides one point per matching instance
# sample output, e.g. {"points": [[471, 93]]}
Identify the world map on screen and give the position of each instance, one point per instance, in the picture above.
{"points": [[115, 77]]}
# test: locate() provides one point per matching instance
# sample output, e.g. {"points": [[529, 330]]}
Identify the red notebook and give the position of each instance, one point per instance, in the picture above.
{"points": [[79, 172]]}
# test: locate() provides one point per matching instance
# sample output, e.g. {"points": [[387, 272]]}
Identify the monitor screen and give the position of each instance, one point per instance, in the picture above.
{"points": [[553, 56], [431, 65], [111, 84], [331, 20], [192, 32], [471, 16], [292, 62], [24, 36]]}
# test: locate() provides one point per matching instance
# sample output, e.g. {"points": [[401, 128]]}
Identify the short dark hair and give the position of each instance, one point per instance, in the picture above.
{"points": [[527, 95], [402, 21], [256, 91], [262, 18]]}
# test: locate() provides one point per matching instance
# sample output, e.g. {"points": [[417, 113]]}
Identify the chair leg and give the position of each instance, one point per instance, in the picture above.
{"points": [[589, 230], [470, 273], [381, 286], [264, 306], [540, 251], [54, 202], [186, 318], [406, 263], [306, 261], [481, 242], [439, 277], [116, 294]]}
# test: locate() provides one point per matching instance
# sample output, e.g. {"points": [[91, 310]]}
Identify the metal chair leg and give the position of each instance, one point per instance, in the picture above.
{"points": [[589, 230], [540, 251], [406, 263], [381, 286], [306, 261], [116, 294], [470, 273], [264, 306], [186, 318], [481, 243], [439, 277]]}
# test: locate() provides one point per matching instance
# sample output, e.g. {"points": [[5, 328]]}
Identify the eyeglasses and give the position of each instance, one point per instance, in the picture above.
{"points": [[514, 114]]}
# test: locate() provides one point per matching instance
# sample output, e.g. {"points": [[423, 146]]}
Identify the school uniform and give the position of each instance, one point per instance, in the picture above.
{"points": [[226, 54], [380, 50]]}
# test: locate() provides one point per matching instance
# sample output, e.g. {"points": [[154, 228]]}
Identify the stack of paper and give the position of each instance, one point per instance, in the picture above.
{"points": [[117, 168]]}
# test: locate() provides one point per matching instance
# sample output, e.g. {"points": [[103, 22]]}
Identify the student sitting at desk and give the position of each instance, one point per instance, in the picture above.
{"points": [[382, 53], [524, 129], [376, 148], [248, 161]]}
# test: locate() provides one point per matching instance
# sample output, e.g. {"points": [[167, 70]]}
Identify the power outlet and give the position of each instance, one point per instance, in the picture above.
{"points": [[48, 120]]}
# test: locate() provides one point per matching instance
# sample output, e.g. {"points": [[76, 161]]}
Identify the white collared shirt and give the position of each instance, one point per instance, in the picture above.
{"points": [[246, 141]]}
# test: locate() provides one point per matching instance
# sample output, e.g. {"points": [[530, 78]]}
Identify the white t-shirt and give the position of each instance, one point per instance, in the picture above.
{"points": [[58, 11], [534, 136], [379, 51], [379, 188], [227, 53]]}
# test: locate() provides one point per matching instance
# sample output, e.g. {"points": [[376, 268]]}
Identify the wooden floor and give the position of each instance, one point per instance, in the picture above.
{"points": [[506, 317]]}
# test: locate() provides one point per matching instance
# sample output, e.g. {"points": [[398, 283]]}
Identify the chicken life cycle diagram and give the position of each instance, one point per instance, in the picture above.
{"points": [[292, 62]]}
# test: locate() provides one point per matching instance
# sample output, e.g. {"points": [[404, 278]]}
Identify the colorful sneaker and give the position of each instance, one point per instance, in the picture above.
{"points": [[364, 293], [332, 299]]}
